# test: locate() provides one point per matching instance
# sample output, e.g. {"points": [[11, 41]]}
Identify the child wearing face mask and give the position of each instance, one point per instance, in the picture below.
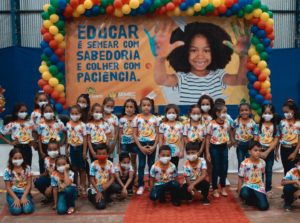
{"points": [[77, 142], [268, 137], [43, 183], [217, 140], [49, 128], [108, 116], [124, 175], [83, 101], [18, 180], [289, 129], [291, 185], [64, 189], [170, 133], [102, 177], [194, 130], [244, 131], [21, 130], [40, 100], [163, 178], [98, 131], [206, 104], [195, 175]]}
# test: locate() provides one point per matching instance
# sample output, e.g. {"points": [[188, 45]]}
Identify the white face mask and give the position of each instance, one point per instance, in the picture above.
{"points": [[82, 105], [192, 157], [42, 103], [22, 115], [205, 108], [49, 115], [125, 166], [108, 110], [75, 118], [267, 117], [223, 116], [171, 117], [195, 117], [97, 116], [18, 162], [53, 154], [61, 169], [164, 160], [288, 115]]}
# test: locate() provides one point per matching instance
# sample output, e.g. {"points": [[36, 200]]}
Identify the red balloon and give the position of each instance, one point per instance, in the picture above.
{"points": [[263, 91], [162, 10], [74, 3], [43, 30], [257, 85], [215, 13], [110, 9], [271, 36], [250, 65], [170, 6], [268, 96], [262, 77], [269, 29], [65, 107], [55, 95], [125, 1], [118, 4], [96, 2], [47, 37], [61, 100], [176, 2], [229, 3], [254, 20], [222, 9], [59, 51], [256, 71], [48, 89], [42, 83], [261, 24], [62, 58], [53, 44]]}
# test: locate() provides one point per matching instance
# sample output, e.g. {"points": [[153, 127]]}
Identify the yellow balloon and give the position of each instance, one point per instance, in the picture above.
{"points": [[141, 1], [80, 9], [177, 11], [197, 7], [53, 30], [118, 13], [266, 84], [134, 4], [47, 24], [76, 14], [59, 88], [248, 16], [59, 38], [43, 68], [62, 45], [264, 16], [257, 12], [190, 11], [257, 118], [270, 22], [252, 51], [44, 63], [216, 3], [204, 3], [255, 59], [45, 7], [126, 9], [266, 71], [54, 18], [88, 4], [53, 82], [262, 65], [46, 76], [62, 94], [268, 90]]}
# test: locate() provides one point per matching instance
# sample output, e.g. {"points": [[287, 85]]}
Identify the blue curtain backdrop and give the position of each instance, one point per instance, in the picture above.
{"points": [[19, 75]]}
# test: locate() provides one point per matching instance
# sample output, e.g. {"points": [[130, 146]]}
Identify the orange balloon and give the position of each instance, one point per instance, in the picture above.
{"points": [[257, 85], [48, 89], [42, 83], [55, 95]]}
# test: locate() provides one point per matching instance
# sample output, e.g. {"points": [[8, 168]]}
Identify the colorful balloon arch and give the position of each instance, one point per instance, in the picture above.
{"points": [[58, 12]]}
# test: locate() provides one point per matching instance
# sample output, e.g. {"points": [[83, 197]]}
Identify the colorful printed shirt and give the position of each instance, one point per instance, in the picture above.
{"points": [[18, 181], [50, 131], [206, 120], [194, 172], [123, 173], [265, 135], [21, 132], [36, 116], [126, 130], [102, 174], [113, 122], [163, 174], [49, 164], [76, 133], [194, 133], [98, 131], [292, 174], [146, 128], [219, 133], [245, 132], [57, 180], [172, 136], [253, 174], [289, 132]]}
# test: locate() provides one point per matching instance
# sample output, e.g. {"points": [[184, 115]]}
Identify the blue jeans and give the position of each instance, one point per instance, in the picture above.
{"points": [[242, 151], [26, 209], [269, 170], [142, 162], [288, 193], [129, 148], [66, 199], [158, 191], [219, 160], [26, 152], [255, 198], [76, 156], [285, 152], [42, 183]]}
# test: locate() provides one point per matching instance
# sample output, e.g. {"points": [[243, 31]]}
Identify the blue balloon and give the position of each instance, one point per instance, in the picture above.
{"points": [[48, 51], [133, 12], [235, 8], [96, 10], [259, 98], [62, 4], [228, 13], [54, 59], [59, 108], [147, 4], [190, 2], [269, 49], [261, 33], [253, 93], [251, 77], [250, 86], [266, 102], [60, 65], [183, 6], [254, 29], [44, 44], [65, 112], [266, 42]]}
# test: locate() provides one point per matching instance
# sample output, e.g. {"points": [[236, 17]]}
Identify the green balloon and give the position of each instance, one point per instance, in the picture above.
{"points": [[157, 3], [248, 8], [264, 8], [254, 105], [54, 3], [44, 57], [104, 3], [165, 1], [60, 24], [102, 10], [45, 15], [51, 10], [60, 76], [241, 13], [53, 69], [256, 3], [203, 11], [210, 8], [48, 63], [255, 40], [151, 9], [63, 32], [270, 14], [259, 110], [260, 47], [264, 56], [111, 2]]}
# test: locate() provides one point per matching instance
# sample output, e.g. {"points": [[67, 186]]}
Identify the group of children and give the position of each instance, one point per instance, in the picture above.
{"points": [[94, 135]]}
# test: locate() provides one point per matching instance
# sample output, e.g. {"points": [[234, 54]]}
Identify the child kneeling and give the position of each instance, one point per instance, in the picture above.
{"points": [[195, 174], [102, 180], [163, 176], [291, 183], [251, 185]]}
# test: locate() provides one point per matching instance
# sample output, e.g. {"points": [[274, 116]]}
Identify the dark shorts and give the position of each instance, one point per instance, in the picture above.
{"points": [[76, 156], [129, 148]]}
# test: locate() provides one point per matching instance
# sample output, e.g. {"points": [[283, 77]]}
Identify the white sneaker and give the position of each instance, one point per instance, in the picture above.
{"points": [[140, 191]]}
